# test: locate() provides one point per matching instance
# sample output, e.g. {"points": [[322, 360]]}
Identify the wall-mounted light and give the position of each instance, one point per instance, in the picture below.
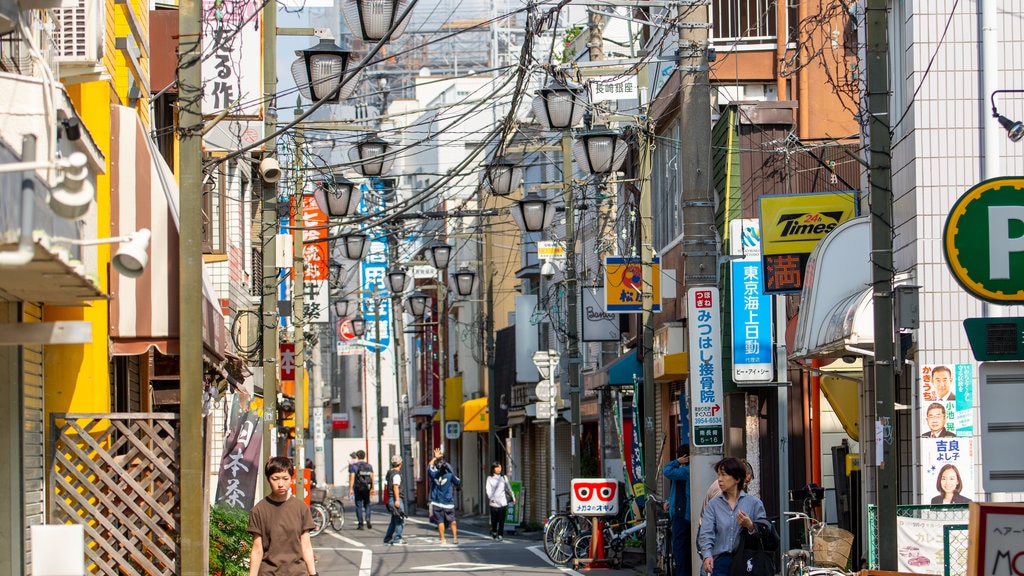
{"points": [[1014, 128], [131, 258], [71, 197]]}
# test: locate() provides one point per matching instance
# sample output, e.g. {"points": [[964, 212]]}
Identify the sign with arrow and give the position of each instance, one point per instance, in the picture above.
{"points": [[704, 313]]}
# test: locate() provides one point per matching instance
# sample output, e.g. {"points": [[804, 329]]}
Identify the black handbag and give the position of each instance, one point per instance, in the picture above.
{"points": [[750, 558]]}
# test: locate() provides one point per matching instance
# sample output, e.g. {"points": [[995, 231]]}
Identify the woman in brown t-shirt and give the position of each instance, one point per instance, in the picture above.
{"points": [[280, 526]]}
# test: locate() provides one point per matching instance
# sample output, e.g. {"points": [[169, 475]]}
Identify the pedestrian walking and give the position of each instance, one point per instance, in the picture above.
{"points": [[360, 488], [678, 471], [726, 516], [396, 503], [280, 525], [442, 495], [499, 496]]}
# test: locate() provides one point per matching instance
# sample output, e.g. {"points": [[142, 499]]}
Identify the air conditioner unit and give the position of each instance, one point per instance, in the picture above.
{"points": [[79, 32]]}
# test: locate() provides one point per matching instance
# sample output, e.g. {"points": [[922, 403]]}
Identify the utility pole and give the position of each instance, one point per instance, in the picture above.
{"points": [[378, 303], [700, 242], [298, 315], [194, 509], [268, 232], [571, 302], [316, 383], [880, 180]]}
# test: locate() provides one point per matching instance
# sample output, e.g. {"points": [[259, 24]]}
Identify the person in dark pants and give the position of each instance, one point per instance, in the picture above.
{"points": [[360, 487], [678, 471], [499, 496]]}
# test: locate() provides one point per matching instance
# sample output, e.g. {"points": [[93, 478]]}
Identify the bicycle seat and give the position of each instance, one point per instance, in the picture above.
{"points": [[798, 553]]}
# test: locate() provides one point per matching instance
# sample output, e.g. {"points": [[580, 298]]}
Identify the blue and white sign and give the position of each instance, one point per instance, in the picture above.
{"points": [[374, 275], [751, 324], [704, 311]]}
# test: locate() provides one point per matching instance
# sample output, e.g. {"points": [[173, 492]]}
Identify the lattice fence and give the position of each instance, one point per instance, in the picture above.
{"points": [[954, 516], [118, 476]]}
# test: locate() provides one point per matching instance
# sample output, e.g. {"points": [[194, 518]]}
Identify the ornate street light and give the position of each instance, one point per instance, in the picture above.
{"points": [[418, 303], [354, 246], [358, 326], [464, 281], [371, 19], [502, 176], [397, 278], [439, 255], [339, 198], [600, 151], [334, 272], [373, 156], [344, 307], [560, 106], [536, 212], [319, 71]]}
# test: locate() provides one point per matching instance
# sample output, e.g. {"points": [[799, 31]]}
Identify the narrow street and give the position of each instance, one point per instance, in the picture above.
{"points": [[363, 553]]}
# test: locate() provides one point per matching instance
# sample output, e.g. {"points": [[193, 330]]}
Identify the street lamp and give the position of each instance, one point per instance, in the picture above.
{"points": [[502, 176], [417, 303], [359, 326], [439, 255], [339, 198], [372, 19], [397, 278], [344, 307], [464, 281], [372, 156], [319, 71], [600, 151], [560, 106], [546, 361], [537, 213], [354, 246]]}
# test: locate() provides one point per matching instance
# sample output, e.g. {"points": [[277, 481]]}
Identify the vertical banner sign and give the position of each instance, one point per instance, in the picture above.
{"points": [[703, 311], [240, 464], [946, 447], [232, 78], [374, 270], [316, 305], [287, 361], [751, 324]]}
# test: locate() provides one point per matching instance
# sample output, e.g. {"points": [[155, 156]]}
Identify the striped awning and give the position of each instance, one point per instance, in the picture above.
{"points": [[144, 194]]}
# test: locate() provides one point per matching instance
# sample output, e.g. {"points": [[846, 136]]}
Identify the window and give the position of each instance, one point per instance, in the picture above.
{"points": [[747, 21]]}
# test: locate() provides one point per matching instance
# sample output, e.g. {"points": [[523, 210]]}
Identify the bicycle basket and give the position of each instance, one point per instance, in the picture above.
{"points": [[832, 547], [317, 494]]}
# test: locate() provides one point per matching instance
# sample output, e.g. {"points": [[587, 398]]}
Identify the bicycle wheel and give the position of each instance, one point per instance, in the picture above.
{"points": [[665, 550], [581, 546], [337, 514], [320, 515], [558, 538]]}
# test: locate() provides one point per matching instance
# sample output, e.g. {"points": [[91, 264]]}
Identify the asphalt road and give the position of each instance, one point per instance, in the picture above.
{"points": [[363, 552]]}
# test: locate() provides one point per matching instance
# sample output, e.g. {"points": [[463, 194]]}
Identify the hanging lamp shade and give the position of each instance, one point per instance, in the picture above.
{"points": [[439, 255], [600, 151], [559, 107], [417, 303], [319, 71], [339, 198], [372, 156], [536, 211], [397, 278], [354, 246], [371, 19], [359, 326], [464, 281], [502, 176]]}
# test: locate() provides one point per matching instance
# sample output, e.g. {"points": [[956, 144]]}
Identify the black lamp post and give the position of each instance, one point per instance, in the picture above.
{"points": [[339, 198], [319, 71], [373, 156], [371, 19]]}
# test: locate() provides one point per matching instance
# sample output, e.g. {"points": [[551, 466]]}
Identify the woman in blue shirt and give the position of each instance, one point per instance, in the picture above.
{"points": [[725, 516]]}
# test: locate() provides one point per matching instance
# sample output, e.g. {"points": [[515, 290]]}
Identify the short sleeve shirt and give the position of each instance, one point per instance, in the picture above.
{"points": [[280, 525]]}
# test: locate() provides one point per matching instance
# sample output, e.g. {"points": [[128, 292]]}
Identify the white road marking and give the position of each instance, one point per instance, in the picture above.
{"points": [[463, 567], [539, 551], [365, 554]]}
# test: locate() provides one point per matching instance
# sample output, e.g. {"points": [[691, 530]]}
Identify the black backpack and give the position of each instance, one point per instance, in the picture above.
{"points": [[363, 472]]}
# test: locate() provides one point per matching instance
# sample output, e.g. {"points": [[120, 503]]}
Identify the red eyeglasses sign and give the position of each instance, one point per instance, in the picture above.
{"points": [[595, 496]]}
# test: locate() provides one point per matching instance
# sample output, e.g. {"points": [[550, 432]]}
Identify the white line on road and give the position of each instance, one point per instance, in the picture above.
{"points": [[539, 551], [366, 555]]}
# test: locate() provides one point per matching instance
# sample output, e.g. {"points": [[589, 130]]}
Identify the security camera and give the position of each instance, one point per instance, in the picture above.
{"points": [[547, 270], [270, 170]]}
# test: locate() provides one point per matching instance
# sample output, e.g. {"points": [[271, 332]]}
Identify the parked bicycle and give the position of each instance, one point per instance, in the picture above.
{"points": [[561, 529], [326, 510], [827, 551], [619, 535]]}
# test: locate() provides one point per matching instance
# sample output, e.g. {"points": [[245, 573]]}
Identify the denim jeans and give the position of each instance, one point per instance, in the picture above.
{"points": [[394, 529], [362, 501]]}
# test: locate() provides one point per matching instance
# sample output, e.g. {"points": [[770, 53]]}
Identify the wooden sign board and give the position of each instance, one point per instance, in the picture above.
{"points": [[997, 539]]}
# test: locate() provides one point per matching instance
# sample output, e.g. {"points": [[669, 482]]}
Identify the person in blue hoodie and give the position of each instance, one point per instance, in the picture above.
{"points": [[678, 471], [442, 495]]}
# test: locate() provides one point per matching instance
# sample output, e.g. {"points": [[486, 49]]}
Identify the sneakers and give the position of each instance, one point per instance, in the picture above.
{"points": [[455, 541], [499, 537], [398, 542], [359, 527], [369, 525]]}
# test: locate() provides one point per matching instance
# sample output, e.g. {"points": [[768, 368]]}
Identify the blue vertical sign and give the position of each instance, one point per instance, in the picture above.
{"points": [[751, 324], [374, 270]]}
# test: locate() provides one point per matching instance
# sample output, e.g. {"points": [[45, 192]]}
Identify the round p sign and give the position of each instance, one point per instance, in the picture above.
{"points": [[984, 240]]}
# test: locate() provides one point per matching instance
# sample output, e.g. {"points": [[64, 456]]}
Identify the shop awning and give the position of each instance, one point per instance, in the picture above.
{"points": [[475, 416], [144, 194], [624, 371], [835, 305]]}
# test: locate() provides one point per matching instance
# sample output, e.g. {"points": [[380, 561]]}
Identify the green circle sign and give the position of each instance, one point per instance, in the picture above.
{"points": [[984, 240]]}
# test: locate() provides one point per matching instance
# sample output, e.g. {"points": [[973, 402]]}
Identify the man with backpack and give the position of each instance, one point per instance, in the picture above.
{"points": [[360, 487]]}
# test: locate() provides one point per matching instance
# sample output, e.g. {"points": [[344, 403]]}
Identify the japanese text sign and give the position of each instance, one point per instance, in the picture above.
{"points": [[791, 226], [595, 496], [703, 310], [751, 324], [287, 361], [232, 76]]}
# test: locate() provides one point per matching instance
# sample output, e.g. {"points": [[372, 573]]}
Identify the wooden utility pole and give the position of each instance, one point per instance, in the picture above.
{"points": [[194, 508], [267, 235], [880, 181]]}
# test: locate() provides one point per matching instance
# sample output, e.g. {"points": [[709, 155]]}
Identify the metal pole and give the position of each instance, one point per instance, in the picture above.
{"points": [[553, 416], [268, 231], [298, 320], [571, 303], [194, 544], [317, 385], [880, 180], [380, 423], [442, 362]]}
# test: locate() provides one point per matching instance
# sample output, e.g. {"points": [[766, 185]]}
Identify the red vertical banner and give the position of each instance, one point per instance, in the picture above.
{"points": [[288, 361], [314, 240]]}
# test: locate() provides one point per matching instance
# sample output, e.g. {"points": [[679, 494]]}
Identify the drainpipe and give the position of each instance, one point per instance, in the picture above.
{"points": [[26, 246], [815, 402]]}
